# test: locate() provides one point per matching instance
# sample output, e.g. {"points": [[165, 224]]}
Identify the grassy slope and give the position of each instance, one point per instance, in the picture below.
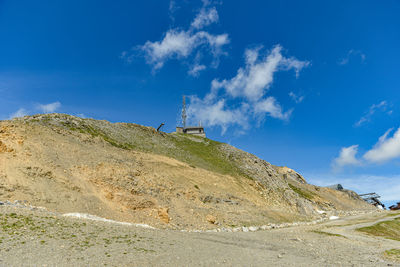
{"points": [[387, 229], [393, 254], [196, 151], [202, 153]]}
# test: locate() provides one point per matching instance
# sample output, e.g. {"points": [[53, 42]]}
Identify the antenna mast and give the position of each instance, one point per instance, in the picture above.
{"points": [[184, 116]]}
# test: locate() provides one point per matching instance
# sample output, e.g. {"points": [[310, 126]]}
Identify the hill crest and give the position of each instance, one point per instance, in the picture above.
{"points": [[133, 173]]}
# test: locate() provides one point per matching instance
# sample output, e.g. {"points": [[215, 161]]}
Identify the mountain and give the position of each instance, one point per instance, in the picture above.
{"points": [[133, 173]]}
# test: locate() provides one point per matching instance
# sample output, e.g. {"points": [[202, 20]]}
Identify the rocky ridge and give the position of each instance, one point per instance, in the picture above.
{"points": [[132, 173]]}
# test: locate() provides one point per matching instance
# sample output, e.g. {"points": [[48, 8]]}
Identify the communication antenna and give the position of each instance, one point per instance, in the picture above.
{"points": [[184, 116]]}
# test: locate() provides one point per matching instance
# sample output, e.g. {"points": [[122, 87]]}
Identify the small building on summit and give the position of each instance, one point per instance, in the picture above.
{"points": [[193, 130]]}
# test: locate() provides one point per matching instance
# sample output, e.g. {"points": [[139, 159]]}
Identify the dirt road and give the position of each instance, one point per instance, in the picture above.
{"points": [[41, 238]]}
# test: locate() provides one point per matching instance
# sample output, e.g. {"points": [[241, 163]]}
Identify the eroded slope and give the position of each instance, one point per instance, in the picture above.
{"points": [[132, 173]]}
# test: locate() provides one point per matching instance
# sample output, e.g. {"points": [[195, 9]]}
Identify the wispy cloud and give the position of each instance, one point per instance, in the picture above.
{"points": [[196, 69], [49, 108], [205, 17], [237, 100], [352, 53], [173, 7], [382, 106], [43, 108], [296, 98], [81, 115], [182, 44], [19, 113]]}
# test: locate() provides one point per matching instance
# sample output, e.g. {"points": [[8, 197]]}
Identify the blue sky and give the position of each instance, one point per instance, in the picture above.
{"points": [[312, 85]]}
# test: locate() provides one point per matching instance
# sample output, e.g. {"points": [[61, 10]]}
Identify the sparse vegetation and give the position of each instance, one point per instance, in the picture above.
{"points": [[204, 153], [123, 170], [196, 151], [301, 192], [15, 227], [386, 229], [392, 254], [393, 213]]}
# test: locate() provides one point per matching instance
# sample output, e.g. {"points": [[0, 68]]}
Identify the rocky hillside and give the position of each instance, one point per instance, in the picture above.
{"points": [[132, 173]]}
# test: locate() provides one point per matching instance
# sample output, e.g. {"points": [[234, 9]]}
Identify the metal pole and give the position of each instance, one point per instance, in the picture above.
{"points": [[184, 116]]}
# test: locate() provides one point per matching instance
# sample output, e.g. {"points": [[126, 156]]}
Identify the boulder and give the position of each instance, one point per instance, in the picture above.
{"points": [[163, 215]]}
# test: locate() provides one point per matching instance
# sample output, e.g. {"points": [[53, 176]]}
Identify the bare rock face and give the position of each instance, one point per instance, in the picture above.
{"points": [[163, 215], [128, 172], [290, 174], [304, 207], [261, 171], [4, 148], [211, 219]]}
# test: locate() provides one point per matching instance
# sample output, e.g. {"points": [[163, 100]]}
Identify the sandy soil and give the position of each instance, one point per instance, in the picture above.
{"points": [[42, 238], [70, 171]]}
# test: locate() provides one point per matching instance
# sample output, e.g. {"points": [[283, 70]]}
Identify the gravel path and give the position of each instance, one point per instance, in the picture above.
{"points": [[41, 238]]}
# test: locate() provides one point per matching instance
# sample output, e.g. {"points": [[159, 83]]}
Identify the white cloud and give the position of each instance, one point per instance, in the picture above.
{"points": [[244, 96], [19, 113], [81, 115], [382, 106], [45, 108], [174, 44], [181, 44], [216, 113], [196, 69], [49, 108], [256, 77], [173, 7], [271, 107], [205, 17], [352, 52], [293, 63], [386, 149], [296, 98], [347, 156]]}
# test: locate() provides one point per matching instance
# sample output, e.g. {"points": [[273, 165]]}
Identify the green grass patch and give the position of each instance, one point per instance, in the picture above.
{"points": [[393, 213], [87, 129], [205, 154], [386, 229], [392, 254], [195, 151], [303, 193]]}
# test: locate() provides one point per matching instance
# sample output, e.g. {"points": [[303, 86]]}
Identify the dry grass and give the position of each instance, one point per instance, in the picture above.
{"points": [[393, 213], [127, 172], [301, 192], [387, 229], [196, 151], [392, 254]]}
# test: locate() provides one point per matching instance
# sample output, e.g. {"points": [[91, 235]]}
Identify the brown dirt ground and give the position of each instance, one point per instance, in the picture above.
{"points": [[73, 172], [42, 238]]}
